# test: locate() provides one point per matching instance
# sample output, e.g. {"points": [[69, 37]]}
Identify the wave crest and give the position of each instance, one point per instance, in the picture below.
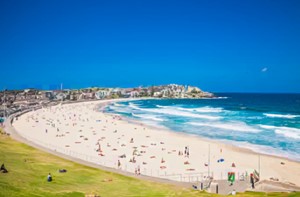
{"points": [[174, 112], [149, 117], [200, 109], [233, 126], [290, 116], [285, 131]]}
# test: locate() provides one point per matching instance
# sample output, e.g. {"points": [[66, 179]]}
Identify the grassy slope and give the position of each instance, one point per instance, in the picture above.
{"points": [[29, 167]]}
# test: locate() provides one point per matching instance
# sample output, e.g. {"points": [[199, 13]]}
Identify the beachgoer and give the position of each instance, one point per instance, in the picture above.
{"points": [[252, 181], [119, 164], [139, 170], [3, 169], [99, 147], [49, 178]]}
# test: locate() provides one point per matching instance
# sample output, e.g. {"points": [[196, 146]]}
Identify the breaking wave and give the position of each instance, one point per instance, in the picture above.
{"points": [[200, 109], [174, 112], [118, 105], [149, 117], [290, 116], [233, 126], [285, 131]]}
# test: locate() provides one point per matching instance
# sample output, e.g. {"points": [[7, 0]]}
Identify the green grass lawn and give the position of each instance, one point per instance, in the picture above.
{"points": [[28, 169]]}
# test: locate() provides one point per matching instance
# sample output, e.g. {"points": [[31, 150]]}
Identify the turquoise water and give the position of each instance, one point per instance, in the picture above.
{"points": [[266, 123]]}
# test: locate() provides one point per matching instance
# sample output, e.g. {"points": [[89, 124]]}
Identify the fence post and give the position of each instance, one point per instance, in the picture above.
{"points": [[217, 188]]}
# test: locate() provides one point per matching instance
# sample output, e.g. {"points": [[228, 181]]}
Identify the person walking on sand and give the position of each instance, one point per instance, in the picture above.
{"points": [[119, 164], [252, 181]]}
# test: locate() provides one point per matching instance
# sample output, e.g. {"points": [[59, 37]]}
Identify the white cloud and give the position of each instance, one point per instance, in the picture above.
{"points": [[265, 69]]}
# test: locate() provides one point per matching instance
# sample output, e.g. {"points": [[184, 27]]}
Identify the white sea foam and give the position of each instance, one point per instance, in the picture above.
{"points": [[134, 106], [174, 112], [118, 105], [200, 109], [285, 131], [290, 116], [233, 126], [118, 109], [265, 149], [222, 97], [154, 124], [150, 117]]}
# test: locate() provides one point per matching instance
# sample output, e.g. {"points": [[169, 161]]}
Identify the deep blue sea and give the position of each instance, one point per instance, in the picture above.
{"points": [[266, 123]]}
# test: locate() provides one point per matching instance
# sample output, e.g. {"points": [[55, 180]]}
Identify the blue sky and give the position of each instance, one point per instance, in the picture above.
{"points": [[220, 46]]}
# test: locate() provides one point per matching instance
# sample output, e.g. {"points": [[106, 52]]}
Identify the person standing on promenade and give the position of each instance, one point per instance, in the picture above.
{"points": [[252, 181]]}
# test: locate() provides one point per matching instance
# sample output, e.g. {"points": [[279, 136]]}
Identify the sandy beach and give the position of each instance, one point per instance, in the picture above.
{"points": [[82, 130]]}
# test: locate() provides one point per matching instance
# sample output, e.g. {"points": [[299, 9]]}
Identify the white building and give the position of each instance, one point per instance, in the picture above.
{"points": [[157, 94], [101, 94], [134, 94], [61, 96]]}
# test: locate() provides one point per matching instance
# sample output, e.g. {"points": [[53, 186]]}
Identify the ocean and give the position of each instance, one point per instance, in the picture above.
{"points": [[264, 123]]}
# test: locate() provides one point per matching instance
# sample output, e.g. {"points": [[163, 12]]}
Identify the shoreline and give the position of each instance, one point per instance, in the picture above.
{"points": [[179, 137], [182, 134]]}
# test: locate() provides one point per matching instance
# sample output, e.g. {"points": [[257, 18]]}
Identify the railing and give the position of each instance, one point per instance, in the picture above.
{"points": [[126, 167], [131, 168]]}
